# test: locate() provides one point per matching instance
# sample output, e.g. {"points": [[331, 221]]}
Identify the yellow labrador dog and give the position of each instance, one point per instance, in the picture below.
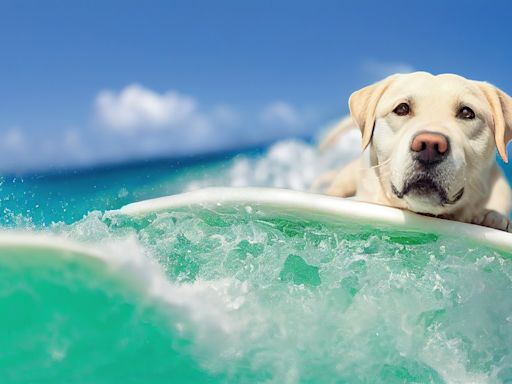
{"points": [[430, 148]]}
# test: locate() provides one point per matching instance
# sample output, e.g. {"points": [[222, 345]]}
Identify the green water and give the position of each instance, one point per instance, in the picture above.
{"points": [[239, 295], [245, 295], [71, 320]]}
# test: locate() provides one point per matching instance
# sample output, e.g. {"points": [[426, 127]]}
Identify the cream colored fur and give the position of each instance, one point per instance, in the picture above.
{"points": [[470, 165]]}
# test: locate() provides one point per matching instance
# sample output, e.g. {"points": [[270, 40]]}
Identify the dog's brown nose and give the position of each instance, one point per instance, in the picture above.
{"points": [[431, 147]]}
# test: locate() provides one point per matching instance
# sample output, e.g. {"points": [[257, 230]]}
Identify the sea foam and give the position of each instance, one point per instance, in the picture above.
{"points": [[289, 299], [243, 294]]}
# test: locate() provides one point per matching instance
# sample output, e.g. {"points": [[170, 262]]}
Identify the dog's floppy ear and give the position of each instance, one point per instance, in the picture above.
{"points": [[501, 107], [362, 106]]}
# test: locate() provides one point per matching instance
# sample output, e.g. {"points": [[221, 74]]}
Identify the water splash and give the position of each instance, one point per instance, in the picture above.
{"points": [[243, 295], [289, 299]]}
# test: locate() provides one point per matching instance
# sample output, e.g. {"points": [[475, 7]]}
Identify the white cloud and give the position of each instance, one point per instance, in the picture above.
{"points": [[21, 150], [138, 123], [136, 107], [224, 114], [379, 69], [144, 123], [280, 113], [73, 144], [13, 140]]}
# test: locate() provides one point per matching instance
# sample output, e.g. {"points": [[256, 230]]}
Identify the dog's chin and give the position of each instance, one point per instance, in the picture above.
{"points": [[423, 194]]}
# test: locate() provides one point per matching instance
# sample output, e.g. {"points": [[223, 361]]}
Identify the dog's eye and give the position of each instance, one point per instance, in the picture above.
{"points": [[466, 113], [402, 109]]}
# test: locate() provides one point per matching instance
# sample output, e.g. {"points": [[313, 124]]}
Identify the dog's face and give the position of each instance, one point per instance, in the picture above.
{"points": [[433, 137]]}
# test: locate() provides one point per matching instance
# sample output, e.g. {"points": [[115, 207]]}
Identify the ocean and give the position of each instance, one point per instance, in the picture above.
{"points": [[231, 295]]}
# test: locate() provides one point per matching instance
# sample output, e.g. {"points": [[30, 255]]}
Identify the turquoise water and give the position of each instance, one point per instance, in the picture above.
{"points": [[239, 294], [67, 196]]}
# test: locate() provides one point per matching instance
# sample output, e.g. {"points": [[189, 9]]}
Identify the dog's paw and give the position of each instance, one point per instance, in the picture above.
{"points": [[493, 219]]}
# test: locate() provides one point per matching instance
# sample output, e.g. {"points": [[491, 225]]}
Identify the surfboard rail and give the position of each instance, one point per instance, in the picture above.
{"points": [[328, 206], [30, 241]]}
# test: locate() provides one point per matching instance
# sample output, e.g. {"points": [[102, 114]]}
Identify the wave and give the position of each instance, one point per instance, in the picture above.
{"points": [[39, 200], [288, 164], [241, 294]]}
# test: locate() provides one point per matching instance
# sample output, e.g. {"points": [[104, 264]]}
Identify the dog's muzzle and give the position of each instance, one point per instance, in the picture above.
{"points": [[424, 185]]}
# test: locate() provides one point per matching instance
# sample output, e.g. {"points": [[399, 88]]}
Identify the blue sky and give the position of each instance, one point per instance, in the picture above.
{"points": [[95, 81]]}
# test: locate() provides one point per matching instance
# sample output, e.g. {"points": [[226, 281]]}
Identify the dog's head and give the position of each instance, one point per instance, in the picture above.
{"points": [[432, 137]]}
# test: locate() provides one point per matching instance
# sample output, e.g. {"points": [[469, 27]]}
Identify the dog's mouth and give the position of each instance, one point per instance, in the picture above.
{"points": [[426, 186]]}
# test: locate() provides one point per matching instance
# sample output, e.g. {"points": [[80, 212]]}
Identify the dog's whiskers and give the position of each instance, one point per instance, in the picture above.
{"points": [[375, 166], [381, 164]]}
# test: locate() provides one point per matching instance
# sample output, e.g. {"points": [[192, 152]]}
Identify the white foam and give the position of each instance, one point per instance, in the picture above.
{"points": [[206, 302], [291, 164], [238, 310]]}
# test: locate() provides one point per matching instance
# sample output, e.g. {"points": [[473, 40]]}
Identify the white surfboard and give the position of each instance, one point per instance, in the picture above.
{"points": [[30, 250], [328, 207], [36, 244]]}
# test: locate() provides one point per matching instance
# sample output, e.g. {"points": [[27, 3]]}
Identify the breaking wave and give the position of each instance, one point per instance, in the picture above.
{"points": [[243, 293]]}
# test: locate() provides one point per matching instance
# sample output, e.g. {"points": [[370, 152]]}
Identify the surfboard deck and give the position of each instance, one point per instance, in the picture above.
{"points": [[322, 207]]}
